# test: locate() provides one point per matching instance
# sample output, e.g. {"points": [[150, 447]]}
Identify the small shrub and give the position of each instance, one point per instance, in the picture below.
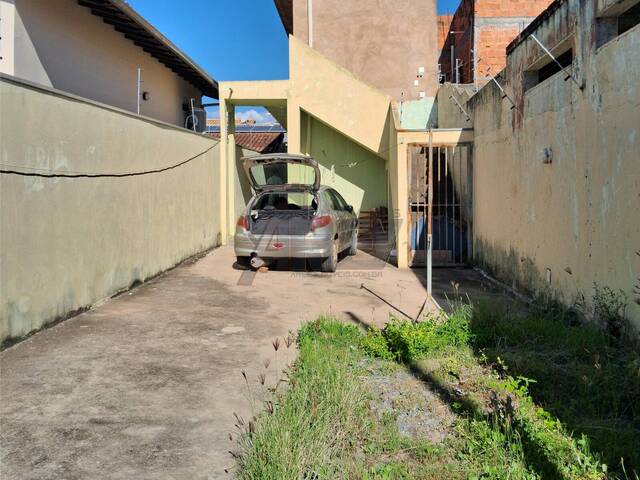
{"points": [[406, 340], [609, 306], [375, 345]]}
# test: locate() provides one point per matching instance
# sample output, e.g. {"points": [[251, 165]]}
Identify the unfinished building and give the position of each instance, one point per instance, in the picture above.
{"points": [[475, 37]]}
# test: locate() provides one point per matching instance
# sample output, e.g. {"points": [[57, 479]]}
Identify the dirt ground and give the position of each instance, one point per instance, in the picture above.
{"points": [[145, 385]]}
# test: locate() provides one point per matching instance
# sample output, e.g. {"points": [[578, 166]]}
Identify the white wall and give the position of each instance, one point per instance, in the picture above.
{"points": [[60, 44]]}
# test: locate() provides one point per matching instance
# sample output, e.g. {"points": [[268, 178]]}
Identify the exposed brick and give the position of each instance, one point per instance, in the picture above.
{"points": [[443, 25], [492, 40], [510, 8]]}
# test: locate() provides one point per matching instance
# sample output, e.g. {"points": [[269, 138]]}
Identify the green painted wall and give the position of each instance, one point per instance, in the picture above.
{"points": [[418, 114], [357, 173]]}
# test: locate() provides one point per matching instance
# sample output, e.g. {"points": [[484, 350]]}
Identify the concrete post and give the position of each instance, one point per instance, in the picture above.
{"points": [[401, 203], [231, 168], [227, 158], [293, 127]]}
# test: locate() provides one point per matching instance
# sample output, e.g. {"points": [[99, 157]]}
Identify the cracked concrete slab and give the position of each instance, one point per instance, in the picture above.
{"points": [[145, 385]]}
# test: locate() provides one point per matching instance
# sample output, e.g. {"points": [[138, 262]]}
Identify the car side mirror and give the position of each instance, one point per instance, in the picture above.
{"points": [[349, 208]]}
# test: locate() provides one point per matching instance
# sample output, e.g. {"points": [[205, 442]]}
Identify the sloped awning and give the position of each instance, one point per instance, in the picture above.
{"points": [[135, 28]]}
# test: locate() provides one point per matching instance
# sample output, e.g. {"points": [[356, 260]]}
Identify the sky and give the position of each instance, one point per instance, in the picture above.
{"points": [[230, 39]]}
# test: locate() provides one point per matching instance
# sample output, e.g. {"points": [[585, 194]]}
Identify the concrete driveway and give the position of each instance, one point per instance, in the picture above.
{"points": [[145, 385]]}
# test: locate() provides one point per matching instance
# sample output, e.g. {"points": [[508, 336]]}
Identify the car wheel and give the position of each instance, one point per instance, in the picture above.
{"points": [[353, 249], [330, 263]]}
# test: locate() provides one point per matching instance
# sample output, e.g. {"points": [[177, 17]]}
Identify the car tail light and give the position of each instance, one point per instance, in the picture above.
{"points": [[321, 221], [243, 222]]}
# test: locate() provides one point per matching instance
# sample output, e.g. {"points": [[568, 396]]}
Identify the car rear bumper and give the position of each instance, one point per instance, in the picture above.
{"points": [[270, 246]]}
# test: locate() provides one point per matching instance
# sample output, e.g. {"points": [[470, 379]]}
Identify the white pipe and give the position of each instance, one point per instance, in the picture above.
{"points": [[430, 219], [138, 90], [564, 69], [193, 116], [310, 22]]}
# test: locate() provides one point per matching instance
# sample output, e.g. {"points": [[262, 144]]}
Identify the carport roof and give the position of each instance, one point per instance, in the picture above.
{"points": [[135, 28]]}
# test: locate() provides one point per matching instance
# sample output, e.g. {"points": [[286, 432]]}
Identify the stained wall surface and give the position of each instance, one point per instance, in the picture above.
{"points": [[69, 243], [556, 229], [382, 42]]}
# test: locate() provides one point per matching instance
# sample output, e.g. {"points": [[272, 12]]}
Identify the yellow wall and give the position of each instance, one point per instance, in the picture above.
{"points": [[358, 174], [556, 229], [66, 244], [335, 96], [351, 126]]}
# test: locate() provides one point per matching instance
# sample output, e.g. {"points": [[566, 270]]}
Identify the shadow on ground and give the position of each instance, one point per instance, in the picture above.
{"points": [[581, 375]]}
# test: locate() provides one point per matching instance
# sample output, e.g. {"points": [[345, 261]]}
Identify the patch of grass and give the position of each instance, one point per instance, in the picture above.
{"points": [[446, 353], [585, 376], [533, 397], [318, 417]]}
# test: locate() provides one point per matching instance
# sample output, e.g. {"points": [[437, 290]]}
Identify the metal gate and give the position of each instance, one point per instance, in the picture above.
{"points": [[440, 222]]}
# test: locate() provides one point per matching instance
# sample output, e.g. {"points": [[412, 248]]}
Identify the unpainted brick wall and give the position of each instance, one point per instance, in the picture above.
{"points": [[460, 35], [444, 25], [491, 45], [510, 8], [486, 26]]}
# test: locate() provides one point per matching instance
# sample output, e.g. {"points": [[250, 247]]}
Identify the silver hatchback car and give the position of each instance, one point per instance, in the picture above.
{"points": [[292, 216]]}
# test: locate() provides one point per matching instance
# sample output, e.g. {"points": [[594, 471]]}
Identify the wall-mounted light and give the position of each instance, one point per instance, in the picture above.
{"points": [[547, 155], [146, 96]]}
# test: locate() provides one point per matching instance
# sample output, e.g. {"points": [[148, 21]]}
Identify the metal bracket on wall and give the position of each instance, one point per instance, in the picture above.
{"points": [[562, 68], [452, 97], [504, 93]]}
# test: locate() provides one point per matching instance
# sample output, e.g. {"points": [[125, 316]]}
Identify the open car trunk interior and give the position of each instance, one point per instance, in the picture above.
{"points": [[283, 213]]}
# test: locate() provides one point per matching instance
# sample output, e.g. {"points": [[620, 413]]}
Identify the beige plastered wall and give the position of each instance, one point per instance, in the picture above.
{"points": [[382, 42], [344, 117], [557, 229], [60, 44], [346, 124], [66, 244]]}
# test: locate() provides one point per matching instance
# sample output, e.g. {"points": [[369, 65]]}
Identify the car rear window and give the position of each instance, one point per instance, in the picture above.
{"points": [[283, 173], [286, 201]]}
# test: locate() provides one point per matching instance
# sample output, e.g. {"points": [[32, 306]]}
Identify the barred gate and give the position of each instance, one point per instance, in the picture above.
{"points": [[445, 228]]}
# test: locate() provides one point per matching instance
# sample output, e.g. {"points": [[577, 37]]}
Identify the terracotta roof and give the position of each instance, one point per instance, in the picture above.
{"points": [[261, 142]]}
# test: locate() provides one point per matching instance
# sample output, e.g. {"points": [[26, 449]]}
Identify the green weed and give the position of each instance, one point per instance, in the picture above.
{"points": [[313, 424], [584, 376], [539, 396], [406, 340]]}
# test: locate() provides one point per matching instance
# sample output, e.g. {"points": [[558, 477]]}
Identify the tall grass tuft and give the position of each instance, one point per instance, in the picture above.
{"points": [[316, 418]]}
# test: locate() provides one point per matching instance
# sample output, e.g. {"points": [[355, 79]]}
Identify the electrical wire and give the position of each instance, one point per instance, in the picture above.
{"points": [[55, 174]]}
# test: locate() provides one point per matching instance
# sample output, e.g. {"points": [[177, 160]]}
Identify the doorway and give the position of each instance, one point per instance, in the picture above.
{"points": [[448, 170]]}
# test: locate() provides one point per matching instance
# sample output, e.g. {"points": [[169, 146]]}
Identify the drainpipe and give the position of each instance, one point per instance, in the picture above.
{"points": [[430, 216], [138, 90], [310, 22], [453, 75]]}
